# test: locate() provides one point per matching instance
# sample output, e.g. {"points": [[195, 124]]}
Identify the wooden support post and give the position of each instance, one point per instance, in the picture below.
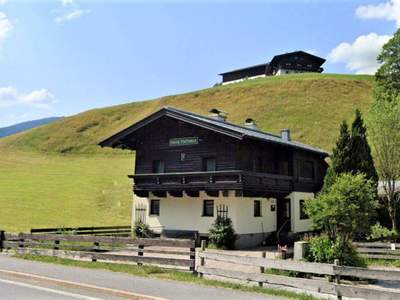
{"points": [[192, 259], [262, 269], [140, 253], [2, 238], [56, 245], [21, 243], [337, 278], [202, 259], [95, 249]]}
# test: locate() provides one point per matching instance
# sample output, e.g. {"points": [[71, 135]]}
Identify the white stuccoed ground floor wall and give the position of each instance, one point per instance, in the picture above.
{"points": [[185, 214]]}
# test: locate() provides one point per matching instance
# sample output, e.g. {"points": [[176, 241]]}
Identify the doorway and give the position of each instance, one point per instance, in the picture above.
{"points": [[283, 223]]}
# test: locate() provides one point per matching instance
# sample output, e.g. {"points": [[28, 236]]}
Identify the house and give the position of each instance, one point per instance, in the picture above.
{"points": [[190, 168], [288, 63]]}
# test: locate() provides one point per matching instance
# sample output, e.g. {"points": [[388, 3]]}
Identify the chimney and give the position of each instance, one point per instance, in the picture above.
{"points": [[250, 123], [218, 114], [285, 135]]}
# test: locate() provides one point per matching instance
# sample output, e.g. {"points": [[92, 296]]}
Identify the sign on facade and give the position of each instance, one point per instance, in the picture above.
{"points": [[185, 141]]}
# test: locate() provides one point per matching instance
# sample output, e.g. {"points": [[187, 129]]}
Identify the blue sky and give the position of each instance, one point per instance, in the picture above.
{"points": [[64, 57]]}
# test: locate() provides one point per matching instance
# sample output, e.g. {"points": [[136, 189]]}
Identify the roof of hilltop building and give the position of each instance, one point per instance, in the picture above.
{"points": [[298, 60], [120, 139]]}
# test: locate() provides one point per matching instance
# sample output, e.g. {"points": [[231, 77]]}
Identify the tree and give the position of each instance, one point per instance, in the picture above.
{"points": [[342, 153], [384, 127], [361, 160], [388, 75], [222, 234], [346, 209], [352, 153]]}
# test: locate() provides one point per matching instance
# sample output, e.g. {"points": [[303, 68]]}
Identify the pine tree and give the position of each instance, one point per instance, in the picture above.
{"points": [[341, 153], [352, 153], [360, 152]]}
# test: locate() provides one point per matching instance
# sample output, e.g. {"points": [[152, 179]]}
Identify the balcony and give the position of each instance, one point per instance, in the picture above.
{"points": [[260, 184]]}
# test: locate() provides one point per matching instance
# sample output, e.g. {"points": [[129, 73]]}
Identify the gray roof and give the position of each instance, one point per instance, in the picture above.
{"points": [[223, 127], [245, 68]]}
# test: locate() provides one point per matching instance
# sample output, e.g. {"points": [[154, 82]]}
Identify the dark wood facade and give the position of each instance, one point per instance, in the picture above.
{"points": [[249, 167]]}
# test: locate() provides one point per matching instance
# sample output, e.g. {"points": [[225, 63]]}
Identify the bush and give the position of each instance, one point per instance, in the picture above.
{"points": [[379, 232], [324, 250], [222, 234], [142, 230]]}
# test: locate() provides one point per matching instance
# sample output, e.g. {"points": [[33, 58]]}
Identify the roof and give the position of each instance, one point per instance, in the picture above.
{"points": [[223, 127], [246, 68], [276, 58]]}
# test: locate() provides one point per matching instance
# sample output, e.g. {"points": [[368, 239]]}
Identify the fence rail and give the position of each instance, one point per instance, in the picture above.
{"points": [[379, 250], [164, 252], [316, 271], [101, 230]]}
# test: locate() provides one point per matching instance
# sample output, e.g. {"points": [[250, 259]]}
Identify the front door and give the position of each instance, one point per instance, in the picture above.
{"points": [[283, 215]]}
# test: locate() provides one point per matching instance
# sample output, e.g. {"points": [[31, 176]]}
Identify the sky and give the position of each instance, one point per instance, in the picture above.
{"points": [[59, 58]]}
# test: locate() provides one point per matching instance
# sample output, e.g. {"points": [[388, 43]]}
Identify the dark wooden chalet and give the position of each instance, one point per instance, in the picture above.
{"points": [[179, 151], [293, 62]]}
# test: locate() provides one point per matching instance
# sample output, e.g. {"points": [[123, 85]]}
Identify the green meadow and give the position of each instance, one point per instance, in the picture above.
{"points": [[56, 175], [39, 190]]}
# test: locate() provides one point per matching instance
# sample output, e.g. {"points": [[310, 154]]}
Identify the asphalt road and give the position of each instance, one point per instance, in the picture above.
{"points": [[22, 287]]}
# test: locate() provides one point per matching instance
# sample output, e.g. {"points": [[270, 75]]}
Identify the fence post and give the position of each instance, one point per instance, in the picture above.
{"points": [[192, 256], [140, 253], [262, 269], [56, 245], [2, 238], [202, 259], [95, 249], [337, 278]]}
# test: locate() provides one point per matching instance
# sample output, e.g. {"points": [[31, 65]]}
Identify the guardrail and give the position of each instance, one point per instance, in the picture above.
{"points": [[153, 251], [378, 250], [314, 270]]}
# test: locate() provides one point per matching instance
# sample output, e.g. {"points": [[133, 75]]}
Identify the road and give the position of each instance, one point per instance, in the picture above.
{"points": [[23, 279]]}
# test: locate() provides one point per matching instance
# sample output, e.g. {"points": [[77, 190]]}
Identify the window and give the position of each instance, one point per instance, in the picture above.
{"points": [[158, 166], [208, 208], [209, 164], [306, 169], [155, 207], [257, 208], [303, 213], [258, 164]]}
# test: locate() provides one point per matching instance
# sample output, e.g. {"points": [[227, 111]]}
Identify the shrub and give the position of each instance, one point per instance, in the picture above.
{"points": [[142, 230], [324, 250], [379, 232], [222, 234]]}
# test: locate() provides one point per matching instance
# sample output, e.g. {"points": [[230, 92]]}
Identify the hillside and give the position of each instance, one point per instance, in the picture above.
{"points": [[20, 127], [41, 186], [311, 105]]}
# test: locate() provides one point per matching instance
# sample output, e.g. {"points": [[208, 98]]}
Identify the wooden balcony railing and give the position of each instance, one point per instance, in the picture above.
{"points": [[216, 180]]}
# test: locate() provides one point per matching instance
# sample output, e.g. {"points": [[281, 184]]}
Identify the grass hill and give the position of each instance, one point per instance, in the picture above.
{"points": [[10, 130], [311, 105], [56, 175]]}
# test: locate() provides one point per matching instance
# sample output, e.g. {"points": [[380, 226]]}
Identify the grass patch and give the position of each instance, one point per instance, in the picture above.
{"points": [[395, 263], [39, 190], [161, 273]]}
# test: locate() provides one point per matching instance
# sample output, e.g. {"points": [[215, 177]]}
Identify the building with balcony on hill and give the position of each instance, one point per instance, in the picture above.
{"points": [[190, 168], [287, 63]]}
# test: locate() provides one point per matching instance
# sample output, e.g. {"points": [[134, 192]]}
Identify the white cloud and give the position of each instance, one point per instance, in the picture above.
{"points": [[70, 11], [10, 96], [5, 27], [75, 14], [389, 11], [3, 2], [360, 56]]}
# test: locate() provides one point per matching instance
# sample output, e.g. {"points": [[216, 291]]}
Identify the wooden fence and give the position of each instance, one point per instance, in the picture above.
{"points": [[102, 230], [315, 274], [163, 252], [379, 250]]}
